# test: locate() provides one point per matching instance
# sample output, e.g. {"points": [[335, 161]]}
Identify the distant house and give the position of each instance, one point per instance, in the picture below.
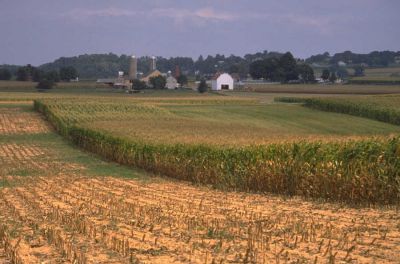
{"points": [[172, 83], [222, 82]]}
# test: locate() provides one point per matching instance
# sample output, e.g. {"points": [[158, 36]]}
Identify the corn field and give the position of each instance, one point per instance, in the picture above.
{"points": [[381, 108], [63, 215], [355, 171]]}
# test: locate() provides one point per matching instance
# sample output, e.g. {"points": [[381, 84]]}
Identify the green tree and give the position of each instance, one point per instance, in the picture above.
{"points": [[37, 75], [45, 85], [325, 74], [333, 77], [235, 68], [52, 76], [272, 71], [138, 85], [257, 69], [5, 74], [68, 73], [182, 80], [306, 73], [203, 87], [289, 65], [359, 70], [342, 73], [158, 82], [22, 74]]}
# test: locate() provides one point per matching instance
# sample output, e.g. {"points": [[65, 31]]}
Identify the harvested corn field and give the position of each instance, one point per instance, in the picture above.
{"points": [[28, 159], [14, 120], [108, 220]]}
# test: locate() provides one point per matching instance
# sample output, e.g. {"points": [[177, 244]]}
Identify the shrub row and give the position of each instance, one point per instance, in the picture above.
{"points": [[356, 172]]}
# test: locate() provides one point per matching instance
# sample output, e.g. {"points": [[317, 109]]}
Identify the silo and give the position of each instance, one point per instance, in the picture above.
{"points": [[153, 65], [133, 68]]}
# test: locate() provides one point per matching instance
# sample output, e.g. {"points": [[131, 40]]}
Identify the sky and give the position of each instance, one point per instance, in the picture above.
{"points": [[40, 31]]}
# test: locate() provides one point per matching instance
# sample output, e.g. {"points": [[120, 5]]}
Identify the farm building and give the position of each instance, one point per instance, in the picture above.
{"points": [[222, 82], [172, 83], [152, 74]]}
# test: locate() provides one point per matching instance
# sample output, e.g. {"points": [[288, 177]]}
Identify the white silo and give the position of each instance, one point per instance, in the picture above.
{"points": [[153, 65]]}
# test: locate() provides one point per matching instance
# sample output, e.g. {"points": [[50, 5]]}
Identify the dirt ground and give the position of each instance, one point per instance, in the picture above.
{"points": [[71, 218]]}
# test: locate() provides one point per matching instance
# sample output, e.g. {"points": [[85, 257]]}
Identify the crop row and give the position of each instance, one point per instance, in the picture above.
{"points": [[364, 171], [366, 109], [380, 108]]}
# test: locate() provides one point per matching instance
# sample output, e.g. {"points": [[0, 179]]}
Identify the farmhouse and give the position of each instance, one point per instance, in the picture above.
{"points": [[222, 81]]}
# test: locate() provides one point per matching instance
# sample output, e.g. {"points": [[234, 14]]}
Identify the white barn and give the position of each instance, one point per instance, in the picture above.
{"points": [[222, 82]]}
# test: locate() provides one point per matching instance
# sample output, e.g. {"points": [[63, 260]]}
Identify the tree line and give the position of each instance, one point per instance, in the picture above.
{"points": [[107, 65], [45, 79], [372, 59], [96, 66], [35, 74]]}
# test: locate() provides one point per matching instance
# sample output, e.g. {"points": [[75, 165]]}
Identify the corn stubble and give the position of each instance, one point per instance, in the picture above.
{"points": [[108, 220]]}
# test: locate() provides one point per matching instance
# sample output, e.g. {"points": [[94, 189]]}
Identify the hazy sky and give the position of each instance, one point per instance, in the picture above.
{"points": [[39, 31]]}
